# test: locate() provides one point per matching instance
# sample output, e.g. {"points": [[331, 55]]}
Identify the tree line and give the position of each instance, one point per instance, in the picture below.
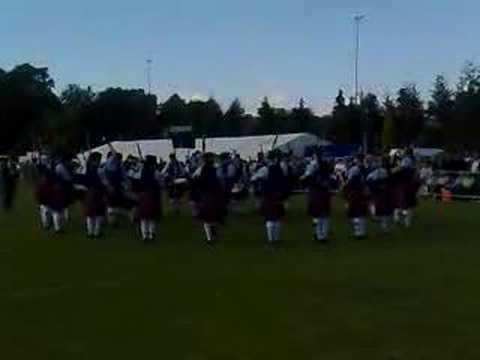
{"points": [[33, 115]]}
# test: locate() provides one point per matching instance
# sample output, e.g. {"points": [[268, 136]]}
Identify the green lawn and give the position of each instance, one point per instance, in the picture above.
{"points": [[410, 295]]}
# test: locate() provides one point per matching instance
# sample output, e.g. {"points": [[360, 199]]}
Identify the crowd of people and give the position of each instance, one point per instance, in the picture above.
{"points": [[9, 174], [115, 188]]}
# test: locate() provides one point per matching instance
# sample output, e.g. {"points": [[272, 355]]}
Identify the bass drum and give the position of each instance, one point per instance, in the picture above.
{"points": [[178, 188], [239, 192]]}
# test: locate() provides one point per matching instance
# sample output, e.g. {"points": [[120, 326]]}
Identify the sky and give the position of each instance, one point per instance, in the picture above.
{"points": [[282, 49]]}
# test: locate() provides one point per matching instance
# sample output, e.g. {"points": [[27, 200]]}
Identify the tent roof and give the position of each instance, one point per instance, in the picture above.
{"points": [[245, 146]]}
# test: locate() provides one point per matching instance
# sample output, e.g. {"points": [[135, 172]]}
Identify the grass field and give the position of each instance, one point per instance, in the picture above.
{"points": [[410, 295]]}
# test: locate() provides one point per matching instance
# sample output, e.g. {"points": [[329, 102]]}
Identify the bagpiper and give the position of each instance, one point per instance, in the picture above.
{"points": [[356, 196], [274, 193], [95, 197], [113, 175], [210, 198], [319, 180], [149, 207], [405, 189], [62, 193], [379, 184], [8, 182]]}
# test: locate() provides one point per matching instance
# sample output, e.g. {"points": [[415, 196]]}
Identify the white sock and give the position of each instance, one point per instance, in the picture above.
{"points": [[397, 215], [208, 232], [362, 226], [359, 227], [385, 223], [277, 229], [90, 223], [270, 225], [144, 229], [111, 215], [175, 204], [97, 229], [45, 216], [151, 229], [322, 228], [407, 218], [57, 221]]}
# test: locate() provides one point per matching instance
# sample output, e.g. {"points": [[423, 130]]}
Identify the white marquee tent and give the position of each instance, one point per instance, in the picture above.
{"points": [[245, 146]]}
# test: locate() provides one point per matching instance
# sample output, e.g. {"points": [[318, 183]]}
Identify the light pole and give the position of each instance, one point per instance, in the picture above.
{"points": [[149, 76], [358, 19]]}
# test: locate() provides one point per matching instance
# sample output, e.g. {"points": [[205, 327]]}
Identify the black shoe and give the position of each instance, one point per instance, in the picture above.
{"points": [[322, 241]]}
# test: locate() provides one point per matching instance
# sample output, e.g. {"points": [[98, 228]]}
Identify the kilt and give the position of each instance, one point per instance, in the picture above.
{"points": [[58, 199], [240, 195], [94, 203], [412, 190], [149, 206], [383, 203], [212, 208], [69, 194], [405, 195], [177, 191], [115, 198], [272, 207], [319, 203], [357, 203], [43, 193]]}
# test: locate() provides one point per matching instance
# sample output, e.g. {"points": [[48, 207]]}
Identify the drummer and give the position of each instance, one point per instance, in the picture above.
{"points": [[175, 180], [226, 173], [210, 199]]}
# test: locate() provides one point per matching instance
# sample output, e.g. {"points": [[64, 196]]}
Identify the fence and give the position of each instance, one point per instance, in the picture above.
{"points": [[453, 185]]}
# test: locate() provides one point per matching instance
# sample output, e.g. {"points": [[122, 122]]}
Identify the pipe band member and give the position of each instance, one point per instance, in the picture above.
{"points": [[356, 196], [319, 180], [210, 198], [274, 186]]}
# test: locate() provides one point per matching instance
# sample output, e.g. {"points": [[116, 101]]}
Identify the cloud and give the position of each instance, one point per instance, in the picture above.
{"points": [[198, 97]]}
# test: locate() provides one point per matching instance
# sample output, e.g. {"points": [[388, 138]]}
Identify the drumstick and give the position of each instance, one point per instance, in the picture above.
{"points": [[139, 150], [110, 146]]}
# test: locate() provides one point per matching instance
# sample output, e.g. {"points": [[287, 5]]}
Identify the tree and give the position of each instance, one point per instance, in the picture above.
{"points": [[282, 119], [266, 118], [233, 119], [410, 117], [205, 117], [301, 118], [122, 114], [173, 112], [214, 117], [389, 136], [372, 119], [465, 128], [469, 81], [76, 97], [340, 131], [75, 125], [26, 101], [440, 113], [440, 107], [355, 122]]}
